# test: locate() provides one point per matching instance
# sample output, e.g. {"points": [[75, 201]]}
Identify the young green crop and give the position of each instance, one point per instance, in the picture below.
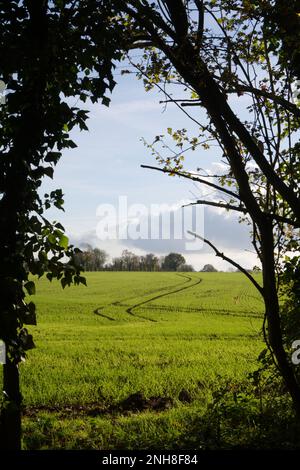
{"points": [[150, 333]]}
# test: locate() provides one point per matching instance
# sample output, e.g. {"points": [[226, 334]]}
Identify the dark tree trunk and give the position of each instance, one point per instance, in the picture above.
{"points": [[11, 414], [272, 312], [11, 273], [15, 206]]}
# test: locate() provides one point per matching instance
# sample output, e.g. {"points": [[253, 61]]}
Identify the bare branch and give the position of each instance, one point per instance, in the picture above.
{"points": [[229, 260], [157, 85], [284, 220], [239, 89], [276, 217], [291, 107], [193, 178], [178, 101], [186, 103], [218, 204]]}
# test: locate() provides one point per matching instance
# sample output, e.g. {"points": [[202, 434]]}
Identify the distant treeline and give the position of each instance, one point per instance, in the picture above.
{"points": [[95, 259]]}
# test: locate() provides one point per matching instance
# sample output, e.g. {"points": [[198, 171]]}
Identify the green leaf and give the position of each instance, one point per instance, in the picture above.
{"points": [[30, 287], [30, 316], [82, 280], [43, 256], [71, 144], [63, 242], [64, 282], [52, 157], [59, 226], [59, 204], [26, 339], [105, 101], [29, 343], [52, 239], [49, 171]]}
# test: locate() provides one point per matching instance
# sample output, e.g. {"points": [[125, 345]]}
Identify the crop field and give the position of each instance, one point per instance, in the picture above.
{"points": [[133, 358]]}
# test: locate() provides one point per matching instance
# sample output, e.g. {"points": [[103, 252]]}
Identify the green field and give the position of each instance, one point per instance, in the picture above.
{"points": [[171, 338]]}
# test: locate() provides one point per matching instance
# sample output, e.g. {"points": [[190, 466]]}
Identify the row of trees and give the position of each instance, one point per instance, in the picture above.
{"points": [[94, 259], [91, 259], [149, 262]]}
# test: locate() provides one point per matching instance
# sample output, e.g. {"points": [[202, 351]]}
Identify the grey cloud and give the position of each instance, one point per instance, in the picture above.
{"points": [[222, 230]]}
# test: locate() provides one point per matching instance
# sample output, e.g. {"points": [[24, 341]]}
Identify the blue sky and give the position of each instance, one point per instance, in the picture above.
{"points": [[106, 165]]}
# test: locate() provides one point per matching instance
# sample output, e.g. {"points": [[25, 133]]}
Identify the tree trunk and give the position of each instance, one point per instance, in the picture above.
{"points": [[11, 413], [14, 210], [273, 315]]}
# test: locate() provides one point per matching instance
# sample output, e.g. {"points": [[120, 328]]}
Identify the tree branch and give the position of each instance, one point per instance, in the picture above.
{"points": [[201, 79], [229, 260], [179, 101], [142, 16], [193, 178], [276, 217], [291, 107], [186, 103], [216, 104], [218, 204], [199, 5], [177, 12]]}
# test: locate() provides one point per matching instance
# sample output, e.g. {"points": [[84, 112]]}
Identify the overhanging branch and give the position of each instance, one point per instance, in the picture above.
{"points": [[229, 260], [193, 178], [291, 107], [278, 218], [228, 207]]}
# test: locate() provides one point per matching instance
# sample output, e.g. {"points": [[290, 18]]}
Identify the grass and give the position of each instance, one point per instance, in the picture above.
{"points": [[158, 334]]}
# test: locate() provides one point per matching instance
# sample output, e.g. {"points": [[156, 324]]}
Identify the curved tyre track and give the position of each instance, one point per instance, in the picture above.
{"points": [[146, 294], [129, 310], [118, 303], [97, 312], [189, 279]]}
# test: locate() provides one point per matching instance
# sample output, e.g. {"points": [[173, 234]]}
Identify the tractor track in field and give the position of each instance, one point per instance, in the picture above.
{"points": [[97, 312], [189, 279], [224, 312], [117, 303], [129, 310]]}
